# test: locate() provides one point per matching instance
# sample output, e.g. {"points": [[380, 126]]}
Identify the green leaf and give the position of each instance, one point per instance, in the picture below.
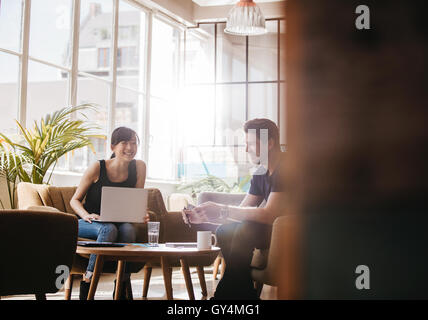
{"points": [[53, 136]]}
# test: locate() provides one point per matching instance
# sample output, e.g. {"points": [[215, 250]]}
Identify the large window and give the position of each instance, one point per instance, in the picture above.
{"points": [[8, 91], [164, 106], [229, 79], [116, 89], [187, 92], [10, 56]]}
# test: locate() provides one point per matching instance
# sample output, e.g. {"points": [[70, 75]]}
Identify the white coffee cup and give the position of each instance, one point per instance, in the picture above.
{"points": [[204, 239]]}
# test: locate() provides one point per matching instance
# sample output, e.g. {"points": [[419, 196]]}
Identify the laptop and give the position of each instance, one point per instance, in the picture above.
{"points": [[123, 204]]}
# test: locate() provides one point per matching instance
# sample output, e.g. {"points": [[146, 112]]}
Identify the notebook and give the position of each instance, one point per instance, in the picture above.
{"points": [[181, 244], [99, 244]]}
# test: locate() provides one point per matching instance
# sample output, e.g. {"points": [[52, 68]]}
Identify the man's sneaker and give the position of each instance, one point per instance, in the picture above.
{"points": [[84, 290]]}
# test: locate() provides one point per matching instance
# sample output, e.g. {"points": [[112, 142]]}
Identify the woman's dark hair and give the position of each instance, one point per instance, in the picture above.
{"points": [[122, 134]]}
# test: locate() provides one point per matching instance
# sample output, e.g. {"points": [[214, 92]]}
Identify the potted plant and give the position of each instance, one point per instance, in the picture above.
{"points": [[39, 149], [214, 184]]}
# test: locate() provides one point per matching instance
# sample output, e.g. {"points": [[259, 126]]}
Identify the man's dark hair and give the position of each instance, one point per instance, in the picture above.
{"points": [[258, 124]]}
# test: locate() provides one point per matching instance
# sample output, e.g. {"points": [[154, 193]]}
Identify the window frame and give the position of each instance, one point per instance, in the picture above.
{"points": [[279, 83], [74, 72]]}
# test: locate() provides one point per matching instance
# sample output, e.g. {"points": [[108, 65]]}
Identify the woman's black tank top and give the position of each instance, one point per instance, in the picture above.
{"points": [[93, 196]]}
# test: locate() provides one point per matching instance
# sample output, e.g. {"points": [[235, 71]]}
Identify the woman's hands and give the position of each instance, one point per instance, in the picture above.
{"points": [[90, 217]]}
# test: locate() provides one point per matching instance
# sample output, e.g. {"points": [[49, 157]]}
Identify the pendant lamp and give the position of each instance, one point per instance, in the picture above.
{"points": [[245, 19]]}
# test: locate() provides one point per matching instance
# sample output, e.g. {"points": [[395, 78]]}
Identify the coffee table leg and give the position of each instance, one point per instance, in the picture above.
{"points": [[147, 275], [167, 277], [119, 276], [187, 278], [96, 276], [202, 282]]}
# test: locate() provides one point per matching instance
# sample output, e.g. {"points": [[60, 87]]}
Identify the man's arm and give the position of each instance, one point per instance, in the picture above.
{"points": [[211, 212], [251, 200], [274, 208], [210, 209]]}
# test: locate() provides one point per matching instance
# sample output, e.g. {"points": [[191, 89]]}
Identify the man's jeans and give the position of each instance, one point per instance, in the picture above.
{"points": [[106, 232], [237, 242]]}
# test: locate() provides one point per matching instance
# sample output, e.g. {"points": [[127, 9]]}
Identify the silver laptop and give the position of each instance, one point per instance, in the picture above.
{"points": [[123, 204]]}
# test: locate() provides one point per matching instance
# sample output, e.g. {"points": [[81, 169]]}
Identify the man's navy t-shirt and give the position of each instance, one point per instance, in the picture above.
{"points": [[263, 184]]}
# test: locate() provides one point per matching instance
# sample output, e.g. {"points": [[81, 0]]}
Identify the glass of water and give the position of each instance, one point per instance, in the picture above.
{"points": [[153, 233]]}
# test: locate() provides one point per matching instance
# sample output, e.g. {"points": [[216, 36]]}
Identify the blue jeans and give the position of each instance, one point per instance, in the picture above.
{"points": [[106, 232]]}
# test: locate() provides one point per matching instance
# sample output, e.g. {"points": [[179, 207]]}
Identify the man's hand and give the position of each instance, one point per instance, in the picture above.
{"points": [[191, 216], [210, 210]]}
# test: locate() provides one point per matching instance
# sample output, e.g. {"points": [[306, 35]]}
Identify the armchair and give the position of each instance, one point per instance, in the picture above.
{"points": [[33, 244]]}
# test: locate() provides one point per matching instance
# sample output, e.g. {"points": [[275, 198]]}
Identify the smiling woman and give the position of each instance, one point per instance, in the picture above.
{"points": [[121, 138], [122, 170]]}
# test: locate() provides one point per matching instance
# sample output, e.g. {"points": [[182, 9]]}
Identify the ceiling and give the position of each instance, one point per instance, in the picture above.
{"points": [[225, 2]]}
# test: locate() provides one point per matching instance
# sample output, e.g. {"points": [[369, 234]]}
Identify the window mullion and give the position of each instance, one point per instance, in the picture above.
{"points": [[215, 84], [113, 71], [246, 78], [23, 70], [75, 53], [148, 70], [72, 96]]}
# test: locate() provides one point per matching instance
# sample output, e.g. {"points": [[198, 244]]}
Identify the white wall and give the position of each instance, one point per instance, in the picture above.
{"points": [[211, 13], [188, 12], [181, 10]]}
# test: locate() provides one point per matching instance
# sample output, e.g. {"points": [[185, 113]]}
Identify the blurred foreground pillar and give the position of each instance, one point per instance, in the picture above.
{"points": [[357, 150]]}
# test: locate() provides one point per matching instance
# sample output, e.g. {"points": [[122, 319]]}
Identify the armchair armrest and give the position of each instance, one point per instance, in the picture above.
{"points": [[173, 228], [42, 208], [281, 254], [233, 199]]}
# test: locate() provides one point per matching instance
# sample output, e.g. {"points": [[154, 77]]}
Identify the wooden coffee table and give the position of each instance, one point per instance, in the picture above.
{"points": [[138, 253]]}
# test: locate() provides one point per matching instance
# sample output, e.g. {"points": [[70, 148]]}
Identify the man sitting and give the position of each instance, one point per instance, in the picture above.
{"points": [[252, 226]]}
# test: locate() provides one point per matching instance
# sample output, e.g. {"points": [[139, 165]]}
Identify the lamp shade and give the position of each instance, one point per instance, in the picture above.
{"points": [[245, 19]]}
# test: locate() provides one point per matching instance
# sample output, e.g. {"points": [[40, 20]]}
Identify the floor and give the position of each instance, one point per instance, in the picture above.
{"points": [[156, 288]]}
